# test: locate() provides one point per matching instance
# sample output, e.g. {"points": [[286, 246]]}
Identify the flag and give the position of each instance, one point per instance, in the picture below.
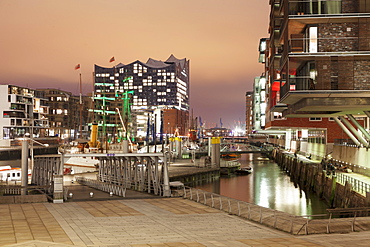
{"points": [[112, 59], [78, 66]]}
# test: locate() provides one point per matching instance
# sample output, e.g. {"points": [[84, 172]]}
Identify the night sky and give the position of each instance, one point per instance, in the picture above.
{"points": [[41, 42]]}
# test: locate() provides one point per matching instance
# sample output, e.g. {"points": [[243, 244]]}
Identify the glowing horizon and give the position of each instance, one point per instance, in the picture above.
{"points": [[43, 41]]}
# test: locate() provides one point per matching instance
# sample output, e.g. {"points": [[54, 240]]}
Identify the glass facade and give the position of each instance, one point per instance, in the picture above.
{"points": [[128, 94]]}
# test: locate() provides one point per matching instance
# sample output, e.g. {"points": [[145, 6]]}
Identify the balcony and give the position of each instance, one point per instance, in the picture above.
{"points": [[325, 103], [13, 114], [333, 44], [19, 107], [315, 7]]}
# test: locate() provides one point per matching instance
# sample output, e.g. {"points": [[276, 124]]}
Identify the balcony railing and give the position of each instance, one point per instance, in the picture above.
{"points": [[286, 88], [315, 7], [334, 43], [302, 83]]}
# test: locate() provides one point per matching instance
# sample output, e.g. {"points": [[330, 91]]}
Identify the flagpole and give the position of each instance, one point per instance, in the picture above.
{"points": [[80, 105], [78, 67]]}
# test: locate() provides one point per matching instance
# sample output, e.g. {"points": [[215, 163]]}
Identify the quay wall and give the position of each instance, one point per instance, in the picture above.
{"points": [[192, 178], [310, 176]]}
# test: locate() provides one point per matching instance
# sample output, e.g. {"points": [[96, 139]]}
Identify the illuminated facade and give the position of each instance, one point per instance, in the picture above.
{"points": [[317, 62], [128, 95], [64, 113], [249, 113], [259, 103], [23, 112]]}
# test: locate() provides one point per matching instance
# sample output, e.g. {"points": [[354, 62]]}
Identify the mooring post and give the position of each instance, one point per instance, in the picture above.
{"points": [[24, 160], [166, 180]]}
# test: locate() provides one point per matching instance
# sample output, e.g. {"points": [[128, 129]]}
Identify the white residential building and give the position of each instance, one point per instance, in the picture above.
{"points": [[23, 113]]}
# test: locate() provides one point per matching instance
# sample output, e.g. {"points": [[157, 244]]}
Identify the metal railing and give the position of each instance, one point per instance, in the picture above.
{"points": [[106, 187], [297, 225], [16, 189], [285, 89], [344, 142], [357, 185], [116, 189]]}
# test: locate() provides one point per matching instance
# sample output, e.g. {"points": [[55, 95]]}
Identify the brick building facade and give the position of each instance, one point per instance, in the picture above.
{"points": [[317, 67]]}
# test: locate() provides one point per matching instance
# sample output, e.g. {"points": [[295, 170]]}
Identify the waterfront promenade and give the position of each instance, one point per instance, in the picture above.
{"points": [[145, 222], [141, 219]]}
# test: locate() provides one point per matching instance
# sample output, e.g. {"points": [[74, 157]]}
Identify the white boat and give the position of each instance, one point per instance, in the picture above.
{"points": [[75, 165], [10, 174], [244, 171]]}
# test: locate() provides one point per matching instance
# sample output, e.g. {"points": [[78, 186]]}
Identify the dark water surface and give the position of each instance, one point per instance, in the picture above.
{"points": [[267, 186]]}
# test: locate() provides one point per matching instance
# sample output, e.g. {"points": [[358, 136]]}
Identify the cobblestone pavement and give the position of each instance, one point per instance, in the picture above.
{"points": [[145, 222]]}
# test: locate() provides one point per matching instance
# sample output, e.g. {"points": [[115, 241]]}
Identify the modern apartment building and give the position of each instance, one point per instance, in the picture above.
{"points": [[259, 103], [68, 117], [317, 62], [24, 112], [127, 97]]}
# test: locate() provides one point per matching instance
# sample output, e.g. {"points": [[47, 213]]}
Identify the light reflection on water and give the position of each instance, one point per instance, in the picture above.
{"points": [[267, 186]]}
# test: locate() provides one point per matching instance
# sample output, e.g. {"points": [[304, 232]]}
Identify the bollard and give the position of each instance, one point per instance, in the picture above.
{"points": [[91, 194], [110, 194], [70, 195]]}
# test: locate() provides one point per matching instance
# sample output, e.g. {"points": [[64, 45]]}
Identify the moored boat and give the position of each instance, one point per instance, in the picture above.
{"points": [[230, 156], [244, 171], [10, 174]]}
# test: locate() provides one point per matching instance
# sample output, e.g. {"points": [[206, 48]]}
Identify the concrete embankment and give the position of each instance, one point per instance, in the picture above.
{"points": [[191, 173], [310, 176]]}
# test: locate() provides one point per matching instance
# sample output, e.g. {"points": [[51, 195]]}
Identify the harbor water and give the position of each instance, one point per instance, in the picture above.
{"points": [[267, 186]]}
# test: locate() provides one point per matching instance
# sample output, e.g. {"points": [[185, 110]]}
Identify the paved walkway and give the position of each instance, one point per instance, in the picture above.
{"points": [[145, 222]]}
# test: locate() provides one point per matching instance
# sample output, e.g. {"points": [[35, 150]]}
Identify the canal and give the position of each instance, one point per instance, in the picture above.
{"points": [[267, 186]]}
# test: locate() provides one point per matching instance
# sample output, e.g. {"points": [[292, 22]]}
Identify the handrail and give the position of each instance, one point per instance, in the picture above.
{"points": [[357, 185], [16, 189], [116, 189], [311, 224]]}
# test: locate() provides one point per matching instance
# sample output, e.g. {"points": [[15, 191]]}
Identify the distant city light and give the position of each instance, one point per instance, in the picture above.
{"points": [[238, 131]]}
